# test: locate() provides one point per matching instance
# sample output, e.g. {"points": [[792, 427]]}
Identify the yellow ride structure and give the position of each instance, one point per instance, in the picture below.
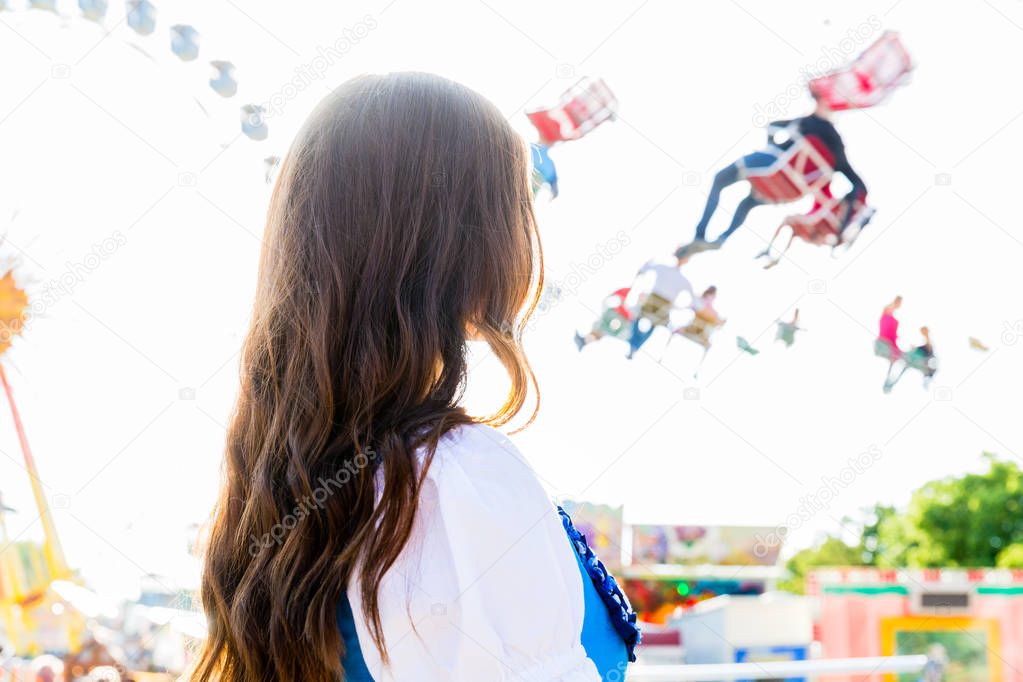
{"points": [[27, 569]]}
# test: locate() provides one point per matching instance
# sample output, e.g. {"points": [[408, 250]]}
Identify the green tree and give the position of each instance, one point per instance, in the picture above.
{"points": [[964, 521], [832, 551], [886, 537], [1011, 556], [970, 520]]}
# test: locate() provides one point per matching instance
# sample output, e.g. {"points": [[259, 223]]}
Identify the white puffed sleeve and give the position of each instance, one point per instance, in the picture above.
{"points": [[489, 587]]}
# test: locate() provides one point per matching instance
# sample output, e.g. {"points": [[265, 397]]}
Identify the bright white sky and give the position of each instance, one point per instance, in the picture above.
{"points": [[98, 141]]}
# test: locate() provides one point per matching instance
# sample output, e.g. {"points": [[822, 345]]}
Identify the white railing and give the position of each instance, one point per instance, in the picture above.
{"points": [[720, 672]]}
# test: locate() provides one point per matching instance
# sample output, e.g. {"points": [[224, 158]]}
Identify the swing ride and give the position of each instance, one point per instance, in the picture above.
{"points": [[869, 79], [786, 332], [700, 331], [803, 154], [745, 346], [806, 167], [618, 318], [799, 165], [835, 223], [866, 82], [702, 326], [544, 170], [920, 359], [803, 169], [580, 109], [615, 320]]}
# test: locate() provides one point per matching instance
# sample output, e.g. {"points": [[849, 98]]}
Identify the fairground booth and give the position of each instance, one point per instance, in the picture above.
{"points": [[971, 619], [694, 586]]}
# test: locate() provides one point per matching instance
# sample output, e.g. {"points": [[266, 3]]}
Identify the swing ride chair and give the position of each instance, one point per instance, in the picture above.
{"points": [[928, 366], [699, 331], [786, 333], [878, 71], [824, 223], [867, 81], [921, 362], [821, 225], [580, 109], [884, 349], [834, 219], [805, 168], [615, 321]]}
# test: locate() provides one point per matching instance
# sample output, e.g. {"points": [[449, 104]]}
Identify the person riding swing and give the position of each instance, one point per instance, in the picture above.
{"points": [[815, 130], [656, 306]]}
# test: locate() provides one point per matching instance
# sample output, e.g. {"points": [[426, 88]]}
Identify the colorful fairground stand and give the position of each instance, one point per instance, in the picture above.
{"points": [[671, 573], [747, 629], [970, 619], [676, 567], [678, 573]]}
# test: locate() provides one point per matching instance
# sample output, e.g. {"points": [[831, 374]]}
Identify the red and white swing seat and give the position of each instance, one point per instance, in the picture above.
{"points": [[804, 168], [823, 223], [580, 109], [869, 78]]}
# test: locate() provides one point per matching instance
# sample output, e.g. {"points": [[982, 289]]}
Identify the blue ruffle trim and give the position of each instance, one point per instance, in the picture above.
{"points": [[622, 616]]}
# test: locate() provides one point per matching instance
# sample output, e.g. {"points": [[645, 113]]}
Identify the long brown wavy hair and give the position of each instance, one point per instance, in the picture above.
{"points": [[400, 226]]}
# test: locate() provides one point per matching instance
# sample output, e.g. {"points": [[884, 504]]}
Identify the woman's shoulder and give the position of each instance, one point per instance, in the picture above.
{"points": [[469, 442], [481, 457], [485, 531]]}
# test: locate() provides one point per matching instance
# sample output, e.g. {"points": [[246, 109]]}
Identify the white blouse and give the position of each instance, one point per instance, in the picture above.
{"points": [[488, 587]]}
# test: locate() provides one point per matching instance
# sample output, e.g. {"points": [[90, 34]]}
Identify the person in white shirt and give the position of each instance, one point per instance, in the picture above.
{"points": [[369, 528], [668, 283]]}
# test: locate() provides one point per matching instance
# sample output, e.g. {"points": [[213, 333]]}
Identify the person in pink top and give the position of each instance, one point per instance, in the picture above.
{"points": [[887, 343], [888, 333]]}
